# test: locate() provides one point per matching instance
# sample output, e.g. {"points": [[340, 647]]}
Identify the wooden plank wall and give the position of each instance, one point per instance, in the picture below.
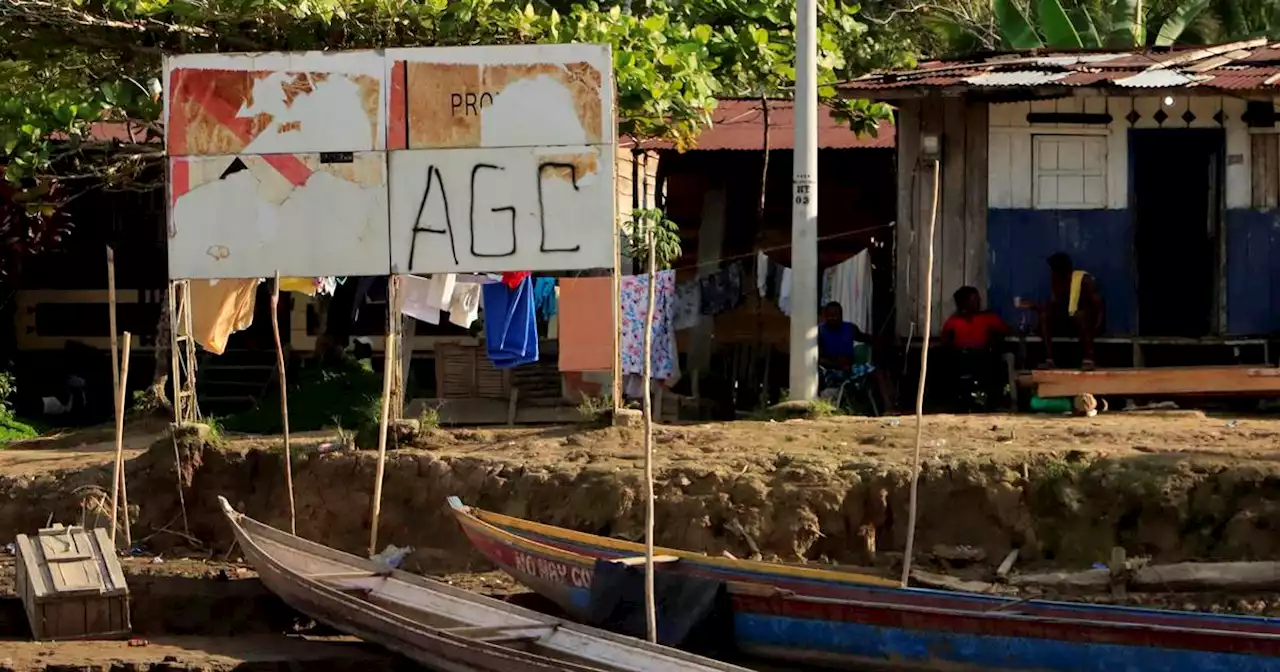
{"points": [[960, 231]]}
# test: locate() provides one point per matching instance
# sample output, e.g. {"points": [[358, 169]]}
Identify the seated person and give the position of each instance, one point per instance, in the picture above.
{"points": [[971, 327], [971, 338], [1075, 308], [837, 339]]}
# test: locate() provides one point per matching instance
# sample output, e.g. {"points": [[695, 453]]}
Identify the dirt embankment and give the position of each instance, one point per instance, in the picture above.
{"points": [[1064, 491]]}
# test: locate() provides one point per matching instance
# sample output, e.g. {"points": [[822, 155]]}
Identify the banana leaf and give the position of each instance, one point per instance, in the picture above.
{"points": [[1127, 28], [1015, 30], [1084, 26], [1056, 26], [1183, 16]]}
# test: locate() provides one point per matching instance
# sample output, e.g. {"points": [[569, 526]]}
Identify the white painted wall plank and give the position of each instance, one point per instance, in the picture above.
{"points": [[1239, 155]]}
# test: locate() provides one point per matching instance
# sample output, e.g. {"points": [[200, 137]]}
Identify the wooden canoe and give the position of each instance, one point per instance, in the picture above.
{"points": [[435, 624], [822, 617]]}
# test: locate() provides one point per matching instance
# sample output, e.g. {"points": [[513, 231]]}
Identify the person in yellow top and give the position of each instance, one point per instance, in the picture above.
{"points": [[1075, 308]]}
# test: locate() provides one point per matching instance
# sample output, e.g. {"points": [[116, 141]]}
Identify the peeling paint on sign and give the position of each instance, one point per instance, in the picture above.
{"points": [[525, 96], [221, 104], [251, 216]]}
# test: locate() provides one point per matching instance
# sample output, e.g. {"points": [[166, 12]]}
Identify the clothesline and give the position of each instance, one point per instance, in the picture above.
{"points": [[775, 248]]}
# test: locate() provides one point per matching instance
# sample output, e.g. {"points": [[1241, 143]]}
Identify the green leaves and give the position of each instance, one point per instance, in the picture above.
{"points": [[1056, 26], [1183, 16], [1015, 30], [1128, 25]]}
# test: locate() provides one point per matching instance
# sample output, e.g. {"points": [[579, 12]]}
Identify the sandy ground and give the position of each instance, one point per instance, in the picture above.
{"points": [[1187, 433], [206, 654]]}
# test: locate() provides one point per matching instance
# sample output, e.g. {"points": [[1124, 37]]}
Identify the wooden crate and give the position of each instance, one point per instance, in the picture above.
{"points": [[71, 584]]}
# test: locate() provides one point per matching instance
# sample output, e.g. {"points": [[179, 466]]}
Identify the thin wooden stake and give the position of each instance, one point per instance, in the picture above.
{"points": [[924, 367], [388, 372], [650, 607], [284, 403], [617, 313], [111, 318], [117, 476]]}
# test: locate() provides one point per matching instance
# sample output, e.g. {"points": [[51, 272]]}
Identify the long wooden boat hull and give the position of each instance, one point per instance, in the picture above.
{"points": [[839, 621], [440, 626]]}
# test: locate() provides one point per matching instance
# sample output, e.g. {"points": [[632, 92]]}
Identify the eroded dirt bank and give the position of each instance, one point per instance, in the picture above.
{"points": [[1064, 491]]}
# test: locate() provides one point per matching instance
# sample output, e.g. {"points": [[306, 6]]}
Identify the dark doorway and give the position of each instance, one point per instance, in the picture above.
{"points": [[1176, 199]]}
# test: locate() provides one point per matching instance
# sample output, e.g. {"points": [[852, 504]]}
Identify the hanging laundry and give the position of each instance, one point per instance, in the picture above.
{"points": [[512, 279], [511, 332], [220, 308], [722, 290], [369, 289], [464, 307], [424, 298], [688, 308], [300, 285], [553, 324], [586, 326], [762, 273], [784, 292], [544, 297], [849, 284], [635, 306]]}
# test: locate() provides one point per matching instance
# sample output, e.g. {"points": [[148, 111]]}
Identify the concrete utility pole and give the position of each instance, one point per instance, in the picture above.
{"points": [[804, 213]]}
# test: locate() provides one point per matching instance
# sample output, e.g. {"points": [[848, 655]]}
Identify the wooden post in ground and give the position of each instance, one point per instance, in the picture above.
{"points": [[927, 283], [284, 403], [617, 312], [650, 608], [389, 365], [117, 476], [111, 318]]}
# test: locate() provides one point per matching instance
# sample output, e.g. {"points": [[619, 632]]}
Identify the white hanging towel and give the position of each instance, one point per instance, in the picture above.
{"points": [[784, 292], [424, 298], [849, 284], [465, 306]]}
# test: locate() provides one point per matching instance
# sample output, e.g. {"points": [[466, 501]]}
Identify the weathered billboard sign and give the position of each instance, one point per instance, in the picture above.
{"points": [[409, 161], [501, 158]]}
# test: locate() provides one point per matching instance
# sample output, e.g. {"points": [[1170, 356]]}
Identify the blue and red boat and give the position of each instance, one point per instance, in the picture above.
{"points": [[842, 619]]}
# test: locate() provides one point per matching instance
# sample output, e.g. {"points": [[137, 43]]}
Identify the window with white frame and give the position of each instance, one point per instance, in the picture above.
{"points": [[1069, 172]]}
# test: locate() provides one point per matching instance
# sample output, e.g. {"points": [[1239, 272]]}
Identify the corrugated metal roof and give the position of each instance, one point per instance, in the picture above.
{"points": [[1249, 65], [738, 124]]}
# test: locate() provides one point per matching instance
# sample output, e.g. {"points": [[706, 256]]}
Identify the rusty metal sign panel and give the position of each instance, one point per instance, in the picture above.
{"points": [[307, 214], [501, 158], [224, 104]]}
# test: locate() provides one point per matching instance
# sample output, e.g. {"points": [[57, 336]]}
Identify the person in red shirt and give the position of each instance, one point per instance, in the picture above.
{"points": [[971, 327], [971, 340]]}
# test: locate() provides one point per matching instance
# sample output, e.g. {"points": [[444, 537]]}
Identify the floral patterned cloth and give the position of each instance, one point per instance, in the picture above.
{"points": [[635, 306]]}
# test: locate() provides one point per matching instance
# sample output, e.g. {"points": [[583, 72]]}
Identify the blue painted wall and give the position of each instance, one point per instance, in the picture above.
{"points": [[1253, 272], [1099, 241]]}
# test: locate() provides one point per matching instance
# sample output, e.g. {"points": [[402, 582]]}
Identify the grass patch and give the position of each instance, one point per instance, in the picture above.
{"points": [[12, 429], [341, 395]]}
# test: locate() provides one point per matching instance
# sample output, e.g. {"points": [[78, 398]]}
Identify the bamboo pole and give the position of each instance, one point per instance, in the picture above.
{"points": [[117, 476], [924, 368], [650, 607], [388, 372], [284, 403]]}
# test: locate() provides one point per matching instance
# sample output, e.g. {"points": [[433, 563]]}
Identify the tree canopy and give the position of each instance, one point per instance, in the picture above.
{"points": [[965, 26], [68, 64]]}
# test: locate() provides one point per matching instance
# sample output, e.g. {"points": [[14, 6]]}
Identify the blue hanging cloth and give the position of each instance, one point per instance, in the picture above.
{"points": [[511, 332], [544, 297]]}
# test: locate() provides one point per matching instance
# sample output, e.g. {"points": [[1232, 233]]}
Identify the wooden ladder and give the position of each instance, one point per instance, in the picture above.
{"points": [[186, 409]]}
